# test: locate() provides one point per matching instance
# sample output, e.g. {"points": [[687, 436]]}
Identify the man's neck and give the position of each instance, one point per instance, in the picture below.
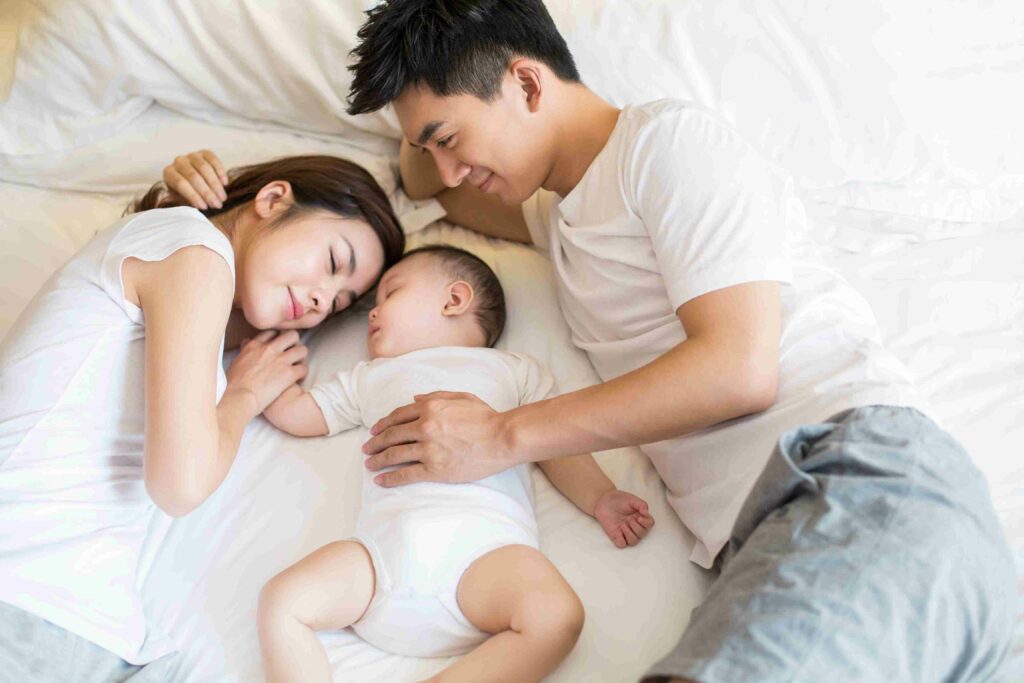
{"points": [[585, 123]]}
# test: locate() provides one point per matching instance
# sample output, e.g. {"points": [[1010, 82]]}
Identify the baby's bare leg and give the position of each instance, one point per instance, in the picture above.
{"points": [[328, 589], [518, 595]]}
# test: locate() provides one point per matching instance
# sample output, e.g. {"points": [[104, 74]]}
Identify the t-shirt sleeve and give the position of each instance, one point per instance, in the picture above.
{"points": [[538, 212], [338, 399], [715, 210], [536, 383]]}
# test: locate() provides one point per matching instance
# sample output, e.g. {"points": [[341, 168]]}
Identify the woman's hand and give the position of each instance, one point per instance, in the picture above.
{"points": [[624, 517], [444, 437], [268, 364], [199, 178]]}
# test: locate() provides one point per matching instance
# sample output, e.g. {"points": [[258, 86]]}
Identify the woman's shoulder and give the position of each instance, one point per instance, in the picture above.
{"points": [[167, 230]]}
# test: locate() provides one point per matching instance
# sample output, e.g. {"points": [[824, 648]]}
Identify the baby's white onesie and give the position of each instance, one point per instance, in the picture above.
{"points": [[422, 537]]}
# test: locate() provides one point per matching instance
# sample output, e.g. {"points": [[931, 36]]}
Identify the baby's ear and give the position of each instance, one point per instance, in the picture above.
{"points": [[460, 298]]}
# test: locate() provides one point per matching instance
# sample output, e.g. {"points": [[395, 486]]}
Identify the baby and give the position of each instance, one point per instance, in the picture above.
{"points": [[437, 569]]}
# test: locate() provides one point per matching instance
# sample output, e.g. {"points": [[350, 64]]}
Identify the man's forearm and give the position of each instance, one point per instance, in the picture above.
{"points": [[693, 386]]}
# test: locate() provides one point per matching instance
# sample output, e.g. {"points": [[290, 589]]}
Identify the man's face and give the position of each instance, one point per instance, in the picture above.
{"points": [[497, 146]]}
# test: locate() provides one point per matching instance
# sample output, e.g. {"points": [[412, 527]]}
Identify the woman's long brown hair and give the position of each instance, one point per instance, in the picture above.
{"points": [[318, 183]]}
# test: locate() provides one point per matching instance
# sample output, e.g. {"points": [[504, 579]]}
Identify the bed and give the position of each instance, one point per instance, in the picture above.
{"points": [[897, 124]]}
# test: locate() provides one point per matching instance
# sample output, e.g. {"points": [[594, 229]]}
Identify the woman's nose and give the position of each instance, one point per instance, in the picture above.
{"points": [[319, 300]]}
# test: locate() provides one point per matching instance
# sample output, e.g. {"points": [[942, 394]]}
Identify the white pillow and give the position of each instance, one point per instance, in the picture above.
{"points": [[85, 68]]}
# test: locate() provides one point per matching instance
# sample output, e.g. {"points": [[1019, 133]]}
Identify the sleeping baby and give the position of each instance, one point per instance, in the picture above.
{"points": [[437, 569]]}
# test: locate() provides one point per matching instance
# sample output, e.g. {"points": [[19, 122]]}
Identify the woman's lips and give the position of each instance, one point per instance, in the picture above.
{"points": [[295, 309]]}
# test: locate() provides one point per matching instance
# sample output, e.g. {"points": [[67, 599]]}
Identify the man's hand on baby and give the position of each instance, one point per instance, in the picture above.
{"points": [[445, 437], [624, 517]]}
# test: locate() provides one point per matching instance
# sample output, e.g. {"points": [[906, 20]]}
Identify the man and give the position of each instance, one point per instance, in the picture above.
{"points": [[863, 546], [856, 540]]}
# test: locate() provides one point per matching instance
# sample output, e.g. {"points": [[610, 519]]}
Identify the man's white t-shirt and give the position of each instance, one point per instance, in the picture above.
{"points": [[677, 205], [77, 528]]}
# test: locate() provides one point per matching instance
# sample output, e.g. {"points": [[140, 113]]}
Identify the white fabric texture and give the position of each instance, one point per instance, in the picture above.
{"points": [[424, 536], [77, 528], [907, 108], [677, 205], [86, 68]]}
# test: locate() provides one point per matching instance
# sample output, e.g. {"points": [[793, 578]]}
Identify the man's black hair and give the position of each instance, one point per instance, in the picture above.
{"points": [[454, 47]]}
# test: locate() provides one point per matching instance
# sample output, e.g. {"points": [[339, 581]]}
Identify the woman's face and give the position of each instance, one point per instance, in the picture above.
{"points": [[294, 275]]}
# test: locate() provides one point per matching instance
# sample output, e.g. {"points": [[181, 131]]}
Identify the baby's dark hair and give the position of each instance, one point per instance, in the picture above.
{"points": [[488, 296]]}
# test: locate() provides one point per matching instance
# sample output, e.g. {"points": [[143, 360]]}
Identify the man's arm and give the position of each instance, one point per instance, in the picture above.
{"points": [[726, 368], [465, 205]]}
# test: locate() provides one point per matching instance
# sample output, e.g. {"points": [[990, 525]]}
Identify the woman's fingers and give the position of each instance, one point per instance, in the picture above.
{"points": [[194, 179], [295, 353], [179, 185], [217, 165], [285, 340], [265, 336], [298, 372], [210, 175]]}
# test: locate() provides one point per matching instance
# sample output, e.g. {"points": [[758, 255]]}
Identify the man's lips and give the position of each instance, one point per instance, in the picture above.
{"points": [[486, 184]]}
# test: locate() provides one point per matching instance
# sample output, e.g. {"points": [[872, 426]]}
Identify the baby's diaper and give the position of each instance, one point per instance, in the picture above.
{"points": [[418, 558]]}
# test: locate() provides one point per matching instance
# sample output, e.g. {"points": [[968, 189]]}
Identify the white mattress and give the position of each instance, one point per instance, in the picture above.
{"points": [[949, 297]]}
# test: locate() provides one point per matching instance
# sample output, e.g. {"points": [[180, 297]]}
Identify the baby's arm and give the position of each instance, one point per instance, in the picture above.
{"points": [[623, 516], [295, 412]]}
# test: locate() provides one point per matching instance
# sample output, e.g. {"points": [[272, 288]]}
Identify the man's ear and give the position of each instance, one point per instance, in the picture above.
{"points": [[529, 78], [460, 298], [273, 198]]}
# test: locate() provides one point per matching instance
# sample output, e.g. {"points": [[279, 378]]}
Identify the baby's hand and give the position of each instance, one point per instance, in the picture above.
{"points": [[624, 517]]}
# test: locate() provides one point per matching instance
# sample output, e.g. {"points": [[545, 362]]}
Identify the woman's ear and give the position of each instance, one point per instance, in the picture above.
{"points": [[460, 297], [273, 198]]}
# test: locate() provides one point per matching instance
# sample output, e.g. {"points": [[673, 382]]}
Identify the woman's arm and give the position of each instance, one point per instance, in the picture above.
{"points": [[295, 412], [190, 438]]}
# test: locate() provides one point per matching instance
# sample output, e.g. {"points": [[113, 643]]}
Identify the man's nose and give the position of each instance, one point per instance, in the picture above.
{"points": [[452, 170]]}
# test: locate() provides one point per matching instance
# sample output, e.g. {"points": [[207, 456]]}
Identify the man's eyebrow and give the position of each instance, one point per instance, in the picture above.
{"points": [[428, 132]]}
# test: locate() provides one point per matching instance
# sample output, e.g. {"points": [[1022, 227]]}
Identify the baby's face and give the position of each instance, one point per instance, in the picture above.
{"points": [[408, 316]]}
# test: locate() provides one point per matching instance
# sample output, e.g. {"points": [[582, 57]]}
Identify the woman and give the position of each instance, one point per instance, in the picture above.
{"points": [[113, 397]]}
